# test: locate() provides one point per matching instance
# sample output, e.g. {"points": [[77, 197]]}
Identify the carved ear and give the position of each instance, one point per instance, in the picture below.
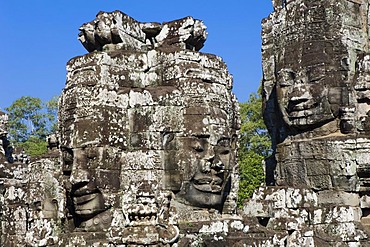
{"points": [[167, 138], [172, 172], [234, 142], [347, 120]]}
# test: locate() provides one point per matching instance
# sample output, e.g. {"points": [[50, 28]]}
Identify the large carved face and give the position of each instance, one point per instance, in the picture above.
{"points": [[207, 158], [92, 170], [362, 90], [304, 101], [175, 135]]}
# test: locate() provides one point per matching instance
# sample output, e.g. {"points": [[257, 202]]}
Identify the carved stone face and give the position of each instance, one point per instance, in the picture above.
{"points": [[302, 101], [208, 167], [206, 158], [85, 193], [92, 170], [175, 135], [362, 90]]}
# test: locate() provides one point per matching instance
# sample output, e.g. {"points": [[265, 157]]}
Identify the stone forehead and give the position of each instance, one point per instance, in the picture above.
{"points": [[122, 95], [130, 80], [147, 68]]}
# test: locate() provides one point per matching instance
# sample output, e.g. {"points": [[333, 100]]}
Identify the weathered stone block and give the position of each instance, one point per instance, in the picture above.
{"points": [[333, 215], [343, 198]]}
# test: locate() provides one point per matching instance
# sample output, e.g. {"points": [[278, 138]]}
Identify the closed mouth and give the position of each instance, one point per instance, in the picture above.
{"points": [[301, 110], [207, 183], [82, 199], [87, 202]]}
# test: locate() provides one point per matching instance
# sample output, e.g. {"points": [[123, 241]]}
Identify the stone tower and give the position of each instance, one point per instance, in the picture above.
{"points": [[316, 108], [148, 133]]}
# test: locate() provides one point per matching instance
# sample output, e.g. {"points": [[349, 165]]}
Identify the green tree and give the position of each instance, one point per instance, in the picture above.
{"points": [[30, 121], [255, 146], [52, 113]]}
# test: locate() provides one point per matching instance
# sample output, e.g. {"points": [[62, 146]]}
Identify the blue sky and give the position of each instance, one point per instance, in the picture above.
{"points": [[39, 37]]}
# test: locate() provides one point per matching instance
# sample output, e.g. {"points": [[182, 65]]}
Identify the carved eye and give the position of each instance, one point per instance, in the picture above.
{"points": [[198, 148], [223, 146], [199, 143], [286, 78], [224, 151], [285, 83]]}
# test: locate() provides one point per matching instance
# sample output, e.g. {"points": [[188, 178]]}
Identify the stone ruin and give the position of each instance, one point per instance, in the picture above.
{"points": [[148, 127], [6, 149], [317, 107], [150, 141]]}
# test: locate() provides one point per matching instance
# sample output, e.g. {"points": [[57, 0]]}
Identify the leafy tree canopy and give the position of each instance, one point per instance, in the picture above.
{"points": [[255, 146], [29, 122]]}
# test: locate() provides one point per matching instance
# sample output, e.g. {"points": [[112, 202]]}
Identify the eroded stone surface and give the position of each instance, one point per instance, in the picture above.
{"points": [[146, 150], [151, 137], [162, 131], [315, 63], [147, 140], [118, 30]]}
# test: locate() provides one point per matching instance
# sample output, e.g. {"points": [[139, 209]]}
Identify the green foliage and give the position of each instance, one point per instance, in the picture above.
{"points": [[25, 118], [52, 113], [255, 146], [34, 146], [30, 121]]}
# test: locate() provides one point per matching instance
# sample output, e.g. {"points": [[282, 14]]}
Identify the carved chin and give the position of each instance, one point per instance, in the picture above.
{"points": [[204, 196]]}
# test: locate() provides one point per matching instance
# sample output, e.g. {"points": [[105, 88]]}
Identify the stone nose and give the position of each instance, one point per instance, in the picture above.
{"points": [[80, 172], [212, 161], [217, 165], [79, 176]]}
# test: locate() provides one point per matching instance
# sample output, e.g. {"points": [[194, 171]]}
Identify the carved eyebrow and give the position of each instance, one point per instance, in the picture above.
{"points": [[89, 144], [224, 140], [203, 136], [66, 148]]}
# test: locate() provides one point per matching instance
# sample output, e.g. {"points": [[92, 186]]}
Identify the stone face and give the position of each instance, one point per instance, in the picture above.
{"points": [[148, 126], [311, 77], [315, 59], [148, 132], [315, 70], [125, 147]]}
